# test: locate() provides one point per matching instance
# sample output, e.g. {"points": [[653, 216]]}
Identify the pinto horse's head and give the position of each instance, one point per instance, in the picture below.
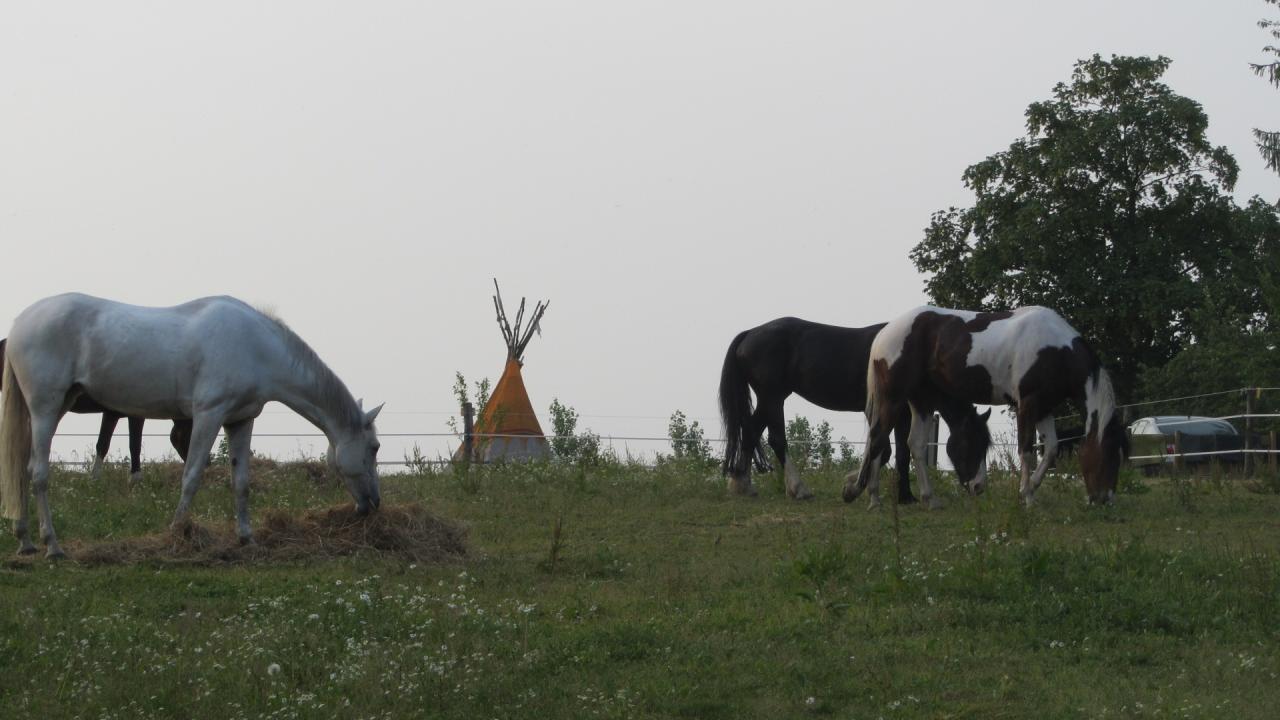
{"points": [[1101, 455], [354, 456], [967, 448]]}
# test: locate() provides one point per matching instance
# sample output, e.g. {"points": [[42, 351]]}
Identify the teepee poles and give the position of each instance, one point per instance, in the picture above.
{"points": [[518, 337]]}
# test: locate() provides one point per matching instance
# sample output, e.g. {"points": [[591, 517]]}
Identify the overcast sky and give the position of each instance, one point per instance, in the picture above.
{"points": [[666, 173]]}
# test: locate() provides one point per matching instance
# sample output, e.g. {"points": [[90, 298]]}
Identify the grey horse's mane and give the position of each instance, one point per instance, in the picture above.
{"points": [[332, 392]]}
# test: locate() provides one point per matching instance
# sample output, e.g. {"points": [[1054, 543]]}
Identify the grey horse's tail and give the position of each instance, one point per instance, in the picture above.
{"points": [[15, 446]]}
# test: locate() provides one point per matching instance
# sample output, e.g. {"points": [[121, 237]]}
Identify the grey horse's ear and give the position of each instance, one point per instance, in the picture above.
{"points": [[371, 415]]}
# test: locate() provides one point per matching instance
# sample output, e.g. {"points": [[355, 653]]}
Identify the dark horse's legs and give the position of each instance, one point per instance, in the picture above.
{"points": [[179, 437], [778, 441], [739, 467], [135, 447], [109, 420]]}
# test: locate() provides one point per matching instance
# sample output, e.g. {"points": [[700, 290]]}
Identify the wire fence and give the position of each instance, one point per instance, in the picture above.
{"points": [[1257, 427]]}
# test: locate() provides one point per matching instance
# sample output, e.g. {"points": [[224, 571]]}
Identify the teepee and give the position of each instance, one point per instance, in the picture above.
{"points": [[508, 428]]}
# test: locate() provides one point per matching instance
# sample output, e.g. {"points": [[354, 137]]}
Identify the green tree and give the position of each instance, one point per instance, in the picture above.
{"points": [[809, 446], [688, 442], [567, 443], [460, 394], [1112, 210], [1269, 140], [799, 441], [823, 449]]}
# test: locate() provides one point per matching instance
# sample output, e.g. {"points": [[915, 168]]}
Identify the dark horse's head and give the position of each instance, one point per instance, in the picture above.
{"points": [[967, 448], [1105, 446]]}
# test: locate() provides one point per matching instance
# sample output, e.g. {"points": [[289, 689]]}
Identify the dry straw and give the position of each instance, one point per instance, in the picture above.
{"points": [[403, 531]]}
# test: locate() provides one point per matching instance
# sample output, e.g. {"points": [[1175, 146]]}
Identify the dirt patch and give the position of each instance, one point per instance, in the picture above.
{"points": [[405, 531]]}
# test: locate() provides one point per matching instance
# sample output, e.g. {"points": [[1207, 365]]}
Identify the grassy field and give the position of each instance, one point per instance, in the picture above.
{"points": [[661, 596]]}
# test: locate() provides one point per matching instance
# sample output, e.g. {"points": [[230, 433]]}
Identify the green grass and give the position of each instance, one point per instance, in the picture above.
{"points": [[662, 596]]}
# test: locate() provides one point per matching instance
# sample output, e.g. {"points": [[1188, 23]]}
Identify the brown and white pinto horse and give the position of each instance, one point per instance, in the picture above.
{"points": [[1029, 358]]}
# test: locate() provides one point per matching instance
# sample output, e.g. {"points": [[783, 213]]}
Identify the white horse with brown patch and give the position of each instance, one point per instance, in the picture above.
{"points": [[215, 361], [1029, 358]]}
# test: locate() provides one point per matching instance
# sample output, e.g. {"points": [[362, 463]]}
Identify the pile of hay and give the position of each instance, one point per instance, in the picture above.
{"points": [[404, 531]]}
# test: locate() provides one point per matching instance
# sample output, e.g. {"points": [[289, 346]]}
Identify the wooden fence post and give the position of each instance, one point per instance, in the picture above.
{"points": [[1248, 430], [1271, 456], [1177, 451], [468, 432]]}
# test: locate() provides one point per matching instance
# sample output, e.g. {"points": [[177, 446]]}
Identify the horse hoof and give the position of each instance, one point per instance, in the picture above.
{"points": [[851, 493], [246, 540], [801, 493], [873, 504], [933, 503], [135, 478], [55, 554], [907, 500], [27, 549]]}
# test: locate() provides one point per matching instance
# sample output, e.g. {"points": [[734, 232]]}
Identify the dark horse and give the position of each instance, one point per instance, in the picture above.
{"points": [[180, 436], [824, 364], [1029, 358]]}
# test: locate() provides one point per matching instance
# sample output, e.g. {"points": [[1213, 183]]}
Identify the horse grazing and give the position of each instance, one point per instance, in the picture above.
{"points": [[823, 364], [214, 361], [180, 436], [1029, 358]]}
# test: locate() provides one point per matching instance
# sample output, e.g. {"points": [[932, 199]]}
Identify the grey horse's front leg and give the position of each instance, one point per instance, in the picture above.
{"points": [[204, 430]]}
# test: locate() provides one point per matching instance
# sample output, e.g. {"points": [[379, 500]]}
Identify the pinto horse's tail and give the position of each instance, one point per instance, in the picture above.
{"points": [[741, 446], [15, 446]]}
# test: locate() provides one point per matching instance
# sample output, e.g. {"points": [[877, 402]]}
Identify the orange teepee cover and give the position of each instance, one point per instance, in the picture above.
{"points": [[509, 411]]}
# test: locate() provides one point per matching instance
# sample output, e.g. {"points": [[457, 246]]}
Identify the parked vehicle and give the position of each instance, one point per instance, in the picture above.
{"points": [[1152, 441]]}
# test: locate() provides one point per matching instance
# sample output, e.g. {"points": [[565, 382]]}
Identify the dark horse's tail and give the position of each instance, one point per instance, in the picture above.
{"points": [[742, 446]]}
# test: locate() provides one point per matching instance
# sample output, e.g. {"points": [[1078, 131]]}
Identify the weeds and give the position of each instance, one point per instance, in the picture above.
{"points": [[557, 544], [823, 570], [674, 599], [1265, 481]]}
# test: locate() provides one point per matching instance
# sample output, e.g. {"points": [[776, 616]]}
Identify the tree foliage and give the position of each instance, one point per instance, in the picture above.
{"points": [[1269, 140], [462, 396], [1114, 211], [809, 446], [567, 444], [688, 441]]}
